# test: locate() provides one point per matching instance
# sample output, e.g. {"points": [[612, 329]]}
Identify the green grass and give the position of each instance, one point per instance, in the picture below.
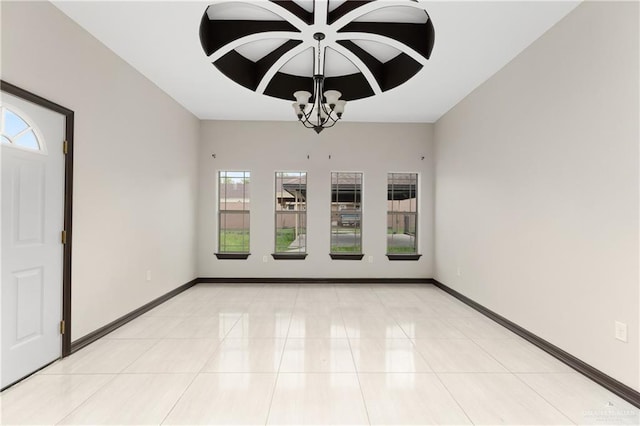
{"points": [[234, 242], [391, 250], [345, 249], [284, 238]]}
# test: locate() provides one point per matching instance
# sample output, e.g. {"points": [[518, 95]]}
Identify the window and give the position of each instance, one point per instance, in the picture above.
{"points": [[291, 215], [402, 216], [346, 215], [17, 132], [233, 215]]}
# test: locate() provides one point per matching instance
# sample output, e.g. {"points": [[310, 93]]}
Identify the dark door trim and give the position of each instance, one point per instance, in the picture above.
{"points": [[68, 201]]}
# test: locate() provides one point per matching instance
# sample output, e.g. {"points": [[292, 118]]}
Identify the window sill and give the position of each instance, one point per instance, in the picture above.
{"points": [[229, 256], [346, 256], [404, 256], [289, 256]]}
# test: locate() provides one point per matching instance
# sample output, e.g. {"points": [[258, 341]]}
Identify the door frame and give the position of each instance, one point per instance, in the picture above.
{"points": [[68, 201]]}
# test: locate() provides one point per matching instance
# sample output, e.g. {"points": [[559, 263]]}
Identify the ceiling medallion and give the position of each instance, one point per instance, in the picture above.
{"points": [[328, 49]]}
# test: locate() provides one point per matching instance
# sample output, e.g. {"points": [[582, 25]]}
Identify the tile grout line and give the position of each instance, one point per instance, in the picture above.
{"points": [[195, 375], [434, 372], [545, 399], [203, 366], [454, 398], [115, 375], [437, 374], [275, 383], [343, 311], [86, 399], [490, 355], [353, 359]]}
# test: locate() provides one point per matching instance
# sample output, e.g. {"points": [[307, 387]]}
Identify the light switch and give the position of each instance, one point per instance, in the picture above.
{"points": [[621, 331]]}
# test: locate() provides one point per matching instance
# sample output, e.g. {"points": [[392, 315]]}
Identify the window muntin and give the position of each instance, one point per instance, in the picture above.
{"points": [[17, 132], [346, 213], [291, 212], [233, 211], [402, 213], [13, 124]]}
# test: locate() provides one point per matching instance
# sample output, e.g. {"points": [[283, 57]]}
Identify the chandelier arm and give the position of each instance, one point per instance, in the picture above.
{"points": [[331, 125], [306, 121], [328, 111], [307, 124], [334, 120], [307, 116]]}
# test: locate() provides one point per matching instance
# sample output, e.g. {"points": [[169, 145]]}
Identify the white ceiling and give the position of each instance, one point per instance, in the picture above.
{"points": [[473, 40]]}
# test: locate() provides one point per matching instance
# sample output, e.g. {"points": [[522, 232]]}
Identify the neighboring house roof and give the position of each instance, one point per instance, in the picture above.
{"points": [[345, 190]]}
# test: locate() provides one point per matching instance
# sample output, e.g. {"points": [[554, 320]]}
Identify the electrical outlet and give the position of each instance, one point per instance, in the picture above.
{"points": [[265, 259], [370, 259], [149, 275], [621, 331]]}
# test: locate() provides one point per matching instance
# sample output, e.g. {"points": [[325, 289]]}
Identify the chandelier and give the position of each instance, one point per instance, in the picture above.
{"points": [[318, 115], [368, 47]]}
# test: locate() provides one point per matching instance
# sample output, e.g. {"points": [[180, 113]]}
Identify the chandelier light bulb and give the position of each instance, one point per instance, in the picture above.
{"points": [[339, 108], [332, 97], [302, 97], [297, 109]]}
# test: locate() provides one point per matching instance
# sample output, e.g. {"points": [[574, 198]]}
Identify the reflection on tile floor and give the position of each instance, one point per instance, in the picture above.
{"points": [[311, 354]]}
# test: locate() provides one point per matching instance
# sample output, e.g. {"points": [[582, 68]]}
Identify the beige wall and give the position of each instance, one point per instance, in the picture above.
{"points": [[537, 182], [266, 147], [537, 189], [135, 163]]}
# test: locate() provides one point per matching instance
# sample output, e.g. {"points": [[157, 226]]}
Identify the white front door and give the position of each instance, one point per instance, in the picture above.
{"points": [[32, 219]]}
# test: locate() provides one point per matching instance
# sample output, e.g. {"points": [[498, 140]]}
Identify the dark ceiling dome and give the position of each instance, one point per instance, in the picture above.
{"points": [[268, 47]]}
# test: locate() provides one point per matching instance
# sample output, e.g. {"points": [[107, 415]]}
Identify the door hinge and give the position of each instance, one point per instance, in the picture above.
{"points": [[62, 327], [65, 146], [64, 237]]}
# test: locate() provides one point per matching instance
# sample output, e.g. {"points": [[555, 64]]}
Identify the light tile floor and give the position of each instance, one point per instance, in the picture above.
{"points": [[311, 354]]}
